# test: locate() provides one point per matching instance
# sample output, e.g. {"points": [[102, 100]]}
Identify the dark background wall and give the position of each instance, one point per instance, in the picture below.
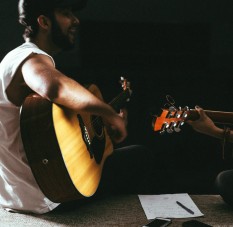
{"points": [[182, 48]]}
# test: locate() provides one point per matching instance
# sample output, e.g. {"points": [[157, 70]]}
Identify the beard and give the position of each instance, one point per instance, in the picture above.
{"points": [[59, 38]]}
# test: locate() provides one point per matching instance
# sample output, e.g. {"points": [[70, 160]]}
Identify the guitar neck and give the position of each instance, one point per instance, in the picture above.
{"points": [[216, 116], [120, 100]]}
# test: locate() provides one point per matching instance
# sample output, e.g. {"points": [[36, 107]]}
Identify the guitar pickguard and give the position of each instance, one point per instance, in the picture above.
{"points": [[96, 144]]}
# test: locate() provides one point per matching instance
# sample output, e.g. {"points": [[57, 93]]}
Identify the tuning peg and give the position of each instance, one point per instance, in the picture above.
{"points": [[164, 128], [169, 130], [172, 109], [122, 81], [177, 129], [171, 127], [172, 112], [177, 115], [184, 115], [162, 132], [180, 123]]}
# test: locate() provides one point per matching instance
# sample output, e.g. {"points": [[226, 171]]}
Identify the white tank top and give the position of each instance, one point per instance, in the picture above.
{"points": [[19, 191]]}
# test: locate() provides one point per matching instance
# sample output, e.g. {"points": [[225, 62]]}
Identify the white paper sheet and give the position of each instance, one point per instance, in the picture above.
{"points": [[165, 206]]}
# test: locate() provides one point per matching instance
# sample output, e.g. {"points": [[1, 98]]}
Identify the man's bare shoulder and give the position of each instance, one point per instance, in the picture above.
{"points": [[35, 58]]}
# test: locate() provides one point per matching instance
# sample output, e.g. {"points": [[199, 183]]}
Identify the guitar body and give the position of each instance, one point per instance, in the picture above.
{"points": [[65, 151]]}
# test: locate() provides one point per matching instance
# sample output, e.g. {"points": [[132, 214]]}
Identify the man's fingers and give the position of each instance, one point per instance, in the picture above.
{"points": [[200, 111]]}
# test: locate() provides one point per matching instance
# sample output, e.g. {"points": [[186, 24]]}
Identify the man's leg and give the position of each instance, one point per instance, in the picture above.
{"points": [[224, 186], [127, 170]]}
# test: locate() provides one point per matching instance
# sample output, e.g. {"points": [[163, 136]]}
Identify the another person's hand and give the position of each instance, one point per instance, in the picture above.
{"points": [[204, 124]]}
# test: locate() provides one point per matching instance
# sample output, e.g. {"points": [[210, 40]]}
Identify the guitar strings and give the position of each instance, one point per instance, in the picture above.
{"points": [[95, 122]]}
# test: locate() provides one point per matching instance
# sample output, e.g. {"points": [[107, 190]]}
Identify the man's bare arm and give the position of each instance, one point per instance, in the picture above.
{"points": [[41, 76]]}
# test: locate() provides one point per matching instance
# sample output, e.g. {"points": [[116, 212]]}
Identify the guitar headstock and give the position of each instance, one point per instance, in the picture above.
{"points": [[170, 120], [125, 84]]}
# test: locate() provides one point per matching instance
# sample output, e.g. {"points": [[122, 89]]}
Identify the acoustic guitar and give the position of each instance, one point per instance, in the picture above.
{"points": [[66, 151], [171, 119]]}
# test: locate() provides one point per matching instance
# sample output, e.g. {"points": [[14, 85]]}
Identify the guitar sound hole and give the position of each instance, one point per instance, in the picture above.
{"points": [[97, 125], [98, 141]]}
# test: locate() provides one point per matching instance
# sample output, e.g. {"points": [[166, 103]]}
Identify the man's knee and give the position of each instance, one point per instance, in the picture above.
{"points": [[224, 185]]}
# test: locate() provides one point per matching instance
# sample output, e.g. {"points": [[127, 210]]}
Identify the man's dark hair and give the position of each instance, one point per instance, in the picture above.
{"points": [[30, 10]]}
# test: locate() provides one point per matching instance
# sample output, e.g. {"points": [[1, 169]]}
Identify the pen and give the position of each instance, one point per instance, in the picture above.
{"points": [[184, 207]]}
